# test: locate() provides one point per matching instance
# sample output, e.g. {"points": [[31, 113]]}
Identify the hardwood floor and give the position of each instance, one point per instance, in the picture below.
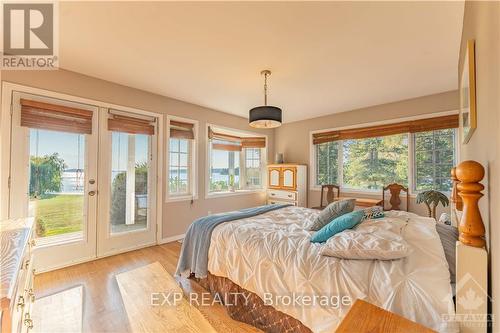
{"points": [[103, 306]]}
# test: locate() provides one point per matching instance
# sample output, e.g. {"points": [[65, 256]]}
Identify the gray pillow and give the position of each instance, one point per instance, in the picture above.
{"points": [[332, 211], [449, 236]]}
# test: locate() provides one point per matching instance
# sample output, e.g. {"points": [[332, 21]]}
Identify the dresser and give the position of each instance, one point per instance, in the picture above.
{"points": [[287, 183], [16, 261]]}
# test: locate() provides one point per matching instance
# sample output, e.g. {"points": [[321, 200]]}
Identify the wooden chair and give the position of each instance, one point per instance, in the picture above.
{"points": [[395, 200], [330, 195]]}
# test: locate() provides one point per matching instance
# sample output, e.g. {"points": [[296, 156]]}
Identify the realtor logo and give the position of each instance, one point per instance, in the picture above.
{"points": [[29, 35]]}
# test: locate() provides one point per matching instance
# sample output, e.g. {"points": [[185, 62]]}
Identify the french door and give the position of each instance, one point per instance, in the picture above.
{"points": [[127, 189], [85, 173]]}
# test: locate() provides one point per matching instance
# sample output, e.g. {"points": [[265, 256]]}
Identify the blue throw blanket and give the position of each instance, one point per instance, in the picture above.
{"points": [[194, 252]]}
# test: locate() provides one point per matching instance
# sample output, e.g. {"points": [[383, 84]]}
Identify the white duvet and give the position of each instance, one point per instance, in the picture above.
{"points": [[271, 255]]}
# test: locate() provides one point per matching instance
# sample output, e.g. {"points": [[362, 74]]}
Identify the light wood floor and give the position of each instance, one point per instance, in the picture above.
{"points": [[103, 307]]}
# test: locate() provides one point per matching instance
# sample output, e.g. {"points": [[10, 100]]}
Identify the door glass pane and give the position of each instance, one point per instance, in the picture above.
{"points": [[129, 181], [56, 186]]}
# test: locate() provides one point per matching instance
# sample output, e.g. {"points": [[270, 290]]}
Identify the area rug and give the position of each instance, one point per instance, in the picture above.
{"points": [[154, 303]]}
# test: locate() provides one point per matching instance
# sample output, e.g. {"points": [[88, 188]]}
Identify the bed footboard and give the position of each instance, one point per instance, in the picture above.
{"points": [[471, 254]]}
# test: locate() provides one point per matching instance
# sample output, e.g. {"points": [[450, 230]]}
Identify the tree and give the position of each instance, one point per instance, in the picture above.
{"points": [[119, 192], [45, 174], [432, 199], [374, 162]]}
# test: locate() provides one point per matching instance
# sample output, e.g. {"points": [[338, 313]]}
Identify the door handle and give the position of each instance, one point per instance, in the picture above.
{"points": [[92, 193]]}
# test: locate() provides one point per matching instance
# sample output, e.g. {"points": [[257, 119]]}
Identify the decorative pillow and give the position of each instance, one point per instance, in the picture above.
{"points": [[341, 223], [332, 211], [375, 212], [449, 236], [379, 245]]}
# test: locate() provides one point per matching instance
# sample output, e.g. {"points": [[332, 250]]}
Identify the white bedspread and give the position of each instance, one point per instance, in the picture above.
{"points": [[271, 255]]}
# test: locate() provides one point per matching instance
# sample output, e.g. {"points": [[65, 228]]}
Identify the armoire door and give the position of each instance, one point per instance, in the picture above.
{"points": [[289, 178], [274, 177]]}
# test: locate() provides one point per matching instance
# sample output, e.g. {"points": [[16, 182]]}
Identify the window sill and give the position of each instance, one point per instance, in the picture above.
{"points": [[214, 195], [364, 193], [180, 198]]}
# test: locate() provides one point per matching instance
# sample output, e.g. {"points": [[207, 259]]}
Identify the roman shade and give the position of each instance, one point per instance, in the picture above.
{"points": [[119, 122], [55, 117], [181, 130], [222, 141], [413, 126]]}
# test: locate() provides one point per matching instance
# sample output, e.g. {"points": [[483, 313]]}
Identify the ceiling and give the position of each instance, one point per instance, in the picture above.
{"points": [[326, 57]]}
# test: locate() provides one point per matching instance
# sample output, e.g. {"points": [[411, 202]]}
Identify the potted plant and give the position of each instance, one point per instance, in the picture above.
{"points": [[432, 199]]}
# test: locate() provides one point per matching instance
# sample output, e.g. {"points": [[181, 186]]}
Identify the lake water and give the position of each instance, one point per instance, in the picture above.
{"points": [[73, 182]]}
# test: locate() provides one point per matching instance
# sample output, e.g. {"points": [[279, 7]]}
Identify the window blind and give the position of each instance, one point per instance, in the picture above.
{"points": [[131, 125], [413, 126], [222, 141], [35, 114], [181, 130]]}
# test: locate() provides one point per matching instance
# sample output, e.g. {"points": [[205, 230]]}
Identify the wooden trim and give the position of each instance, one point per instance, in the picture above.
{"points": [[245, 142], [269, 170], [222, 136], [294, 178], [55, 117], [412, 126], [255, 142], [55, 108], [181, 130], [33, 119], [471, 227], [120, 123], [180, 124], [227, 147], [181, 134]]}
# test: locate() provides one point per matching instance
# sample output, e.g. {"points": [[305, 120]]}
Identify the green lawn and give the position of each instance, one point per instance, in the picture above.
{"points": [[58, 214]]}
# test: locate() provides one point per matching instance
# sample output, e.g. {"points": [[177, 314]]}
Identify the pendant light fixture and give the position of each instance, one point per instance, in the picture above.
{"points": [[265, 116]]}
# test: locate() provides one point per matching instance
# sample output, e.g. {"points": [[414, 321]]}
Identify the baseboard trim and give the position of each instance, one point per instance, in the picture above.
{"points": [[171, 239], [91, 258]]}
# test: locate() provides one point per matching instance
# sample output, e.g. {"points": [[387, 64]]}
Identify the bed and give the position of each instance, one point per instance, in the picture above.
{"points": [[268, 258], [271, 256]]}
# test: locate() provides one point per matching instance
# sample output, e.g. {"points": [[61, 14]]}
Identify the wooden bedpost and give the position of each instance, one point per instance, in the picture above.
{"points": [[471, 227], [455, 197], [471, 256]]}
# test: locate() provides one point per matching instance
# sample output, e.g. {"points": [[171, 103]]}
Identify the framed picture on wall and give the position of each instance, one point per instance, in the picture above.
{"points": [[468, 111]]}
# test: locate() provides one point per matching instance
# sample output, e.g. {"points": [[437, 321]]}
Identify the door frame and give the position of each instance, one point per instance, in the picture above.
{"points": [[54, 250], [107, 243], [5, 154]]}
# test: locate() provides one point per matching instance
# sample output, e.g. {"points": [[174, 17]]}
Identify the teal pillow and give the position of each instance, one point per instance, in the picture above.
{"points": [[339, 224]]}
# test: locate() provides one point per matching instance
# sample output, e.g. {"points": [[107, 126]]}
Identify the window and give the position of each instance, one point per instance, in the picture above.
{"points": [[253, 168], [434, 156], [236, 161], [181, 156], [224, 171], [130, 163], [179, 176], [371, 162], [327, 163]]}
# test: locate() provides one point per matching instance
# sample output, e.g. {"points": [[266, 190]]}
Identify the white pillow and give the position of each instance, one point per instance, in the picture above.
{"points": [[379, 245]]}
